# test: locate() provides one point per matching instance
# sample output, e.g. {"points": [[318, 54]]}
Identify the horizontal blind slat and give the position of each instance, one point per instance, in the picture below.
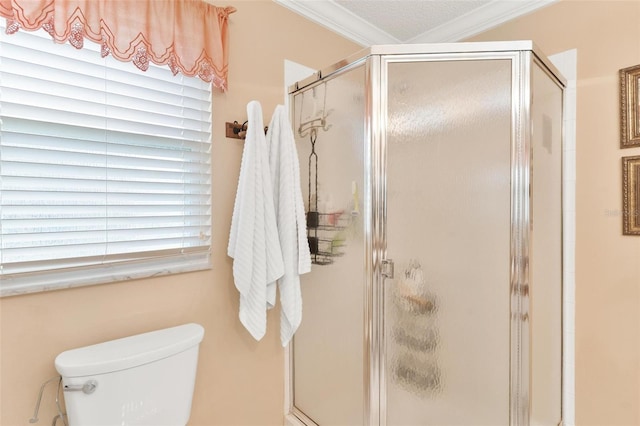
{"points": [[93, 90], [17, 268], [45, 198], [110, 116], [125, 251], [68, 186], [99, 163], [16, 212], [59, 137], [34, 226], [39, 51], [97, 233]]}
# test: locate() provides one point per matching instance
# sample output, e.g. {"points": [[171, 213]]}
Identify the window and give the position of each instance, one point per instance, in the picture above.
{"points": [[104, 170]]}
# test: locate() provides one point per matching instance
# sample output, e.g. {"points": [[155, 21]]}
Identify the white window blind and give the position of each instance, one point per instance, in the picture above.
{"points": [[104, 170]]}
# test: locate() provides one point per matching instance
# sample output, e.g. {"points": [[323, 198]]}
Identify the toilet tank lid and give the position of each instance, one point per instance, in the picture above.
{"points": [[128, 352]]}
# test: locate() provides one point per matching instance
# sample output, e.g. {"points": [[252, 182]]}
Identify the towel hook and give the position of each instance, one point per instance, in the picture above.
{"points": [[242, 131], [236, 130]]}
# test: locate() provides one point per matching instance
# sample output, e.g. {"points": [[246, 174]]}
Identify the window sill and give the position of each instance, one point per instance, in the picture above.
{"points": [[58, 280]]}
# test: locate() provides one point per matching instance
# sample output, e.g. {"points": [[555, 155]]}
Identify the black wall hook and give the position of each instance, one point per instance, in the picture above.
{"points": [[236, 130]]}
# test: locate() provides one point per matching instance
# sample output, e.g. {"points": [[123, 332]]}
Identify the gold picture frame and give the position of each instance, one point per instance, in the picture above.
{"points": [[630, 107], [631, 195]]}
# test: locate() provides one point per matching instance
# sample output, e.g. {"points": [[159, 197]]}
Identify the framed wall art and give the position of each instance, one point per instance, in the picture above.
{"points": [[630, 107], [631, 195]]}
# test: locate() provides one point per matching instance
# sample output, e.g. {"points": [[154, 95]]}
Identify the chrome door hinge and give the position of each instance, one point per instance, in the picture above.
{"points": [[387, 268]]}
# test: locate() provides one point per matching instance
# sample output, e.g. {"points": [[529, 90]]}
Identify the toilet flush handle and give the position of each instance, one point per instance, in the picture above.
{"points": [[88, 387]]}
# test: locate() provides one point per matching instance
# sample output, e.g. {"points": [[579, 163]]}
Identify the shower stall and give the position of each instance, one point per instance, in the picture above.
{"points": [[432, 177]]}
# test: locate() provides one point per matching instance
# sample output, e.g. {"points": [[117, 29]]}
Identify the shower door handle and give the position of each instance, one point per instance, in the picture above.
{"points": [[388, 268]]}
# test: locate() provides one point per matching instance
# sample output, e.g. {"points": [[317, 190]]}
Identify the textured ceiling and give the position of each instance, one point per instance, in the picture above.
{"points": [[407, 19], [371, 22]]}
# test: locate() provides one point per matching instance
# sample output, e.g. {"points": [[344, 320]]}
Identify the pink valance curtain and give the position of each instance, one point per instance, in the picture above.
{"points": [[190, 36]]}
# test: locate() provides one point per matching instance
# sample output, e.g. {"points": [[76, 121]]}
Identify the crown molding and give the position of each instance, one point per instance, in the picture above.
{"points": [[479, 20], [344, 22], [340, 20]]}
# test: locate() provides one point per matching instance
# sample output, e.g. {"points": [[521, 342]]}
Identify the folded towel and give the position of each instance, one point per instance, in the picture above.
{"points": [[290, 217], [254, 244]]}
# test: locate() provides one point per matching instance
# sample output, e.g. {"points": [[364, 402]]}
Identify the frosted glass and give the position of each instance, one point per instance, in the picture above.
{"points": [[328, 349], [546, 256], [448, 230]]}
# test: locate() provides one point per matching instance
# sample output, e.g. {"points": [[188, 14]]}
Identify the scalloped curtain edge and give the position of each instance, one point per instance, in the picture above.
{"points": [[189, 36]]}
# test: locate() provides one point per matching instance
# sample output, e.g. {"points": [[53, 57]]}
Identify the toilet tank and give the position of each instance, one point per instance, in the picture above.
{"points": [[141, 380]]}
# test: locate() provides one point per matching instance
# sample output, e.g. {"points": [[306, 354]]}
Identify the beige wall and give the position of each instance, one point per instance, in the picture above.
{"points": [[607, 36], [239, 381]]}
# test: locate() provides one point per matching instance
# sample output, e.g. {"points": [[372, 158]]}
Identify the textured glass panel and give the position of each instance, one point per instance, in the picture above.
{"points": [[447, 310], [546, 257], [328, 347]]}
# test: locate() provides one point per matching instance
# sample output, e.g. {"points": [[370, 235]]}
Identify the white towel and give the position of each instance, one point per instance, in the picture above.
{"points": [[253, 241], [290, 216]]}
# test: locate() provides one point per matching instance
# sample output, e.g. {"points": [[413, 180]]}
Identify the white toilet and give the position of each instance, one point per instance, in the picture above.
{"points": [[141, 380]]}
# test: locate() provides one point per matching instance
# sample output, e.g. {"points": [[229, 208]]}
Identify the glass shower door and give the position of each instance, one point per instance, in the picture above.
{"points": [[328, 349], [447, 311]]}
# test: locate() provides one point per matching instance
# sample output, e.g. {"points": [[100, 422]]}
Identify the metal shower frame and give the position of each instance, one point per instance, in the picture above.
{"points": [[523, 56]]}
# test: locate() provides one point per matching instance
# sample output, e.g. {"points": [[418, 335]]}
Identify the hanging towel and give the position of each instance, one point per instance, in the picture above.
{"points": [[254, 244], [290, 216]]}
